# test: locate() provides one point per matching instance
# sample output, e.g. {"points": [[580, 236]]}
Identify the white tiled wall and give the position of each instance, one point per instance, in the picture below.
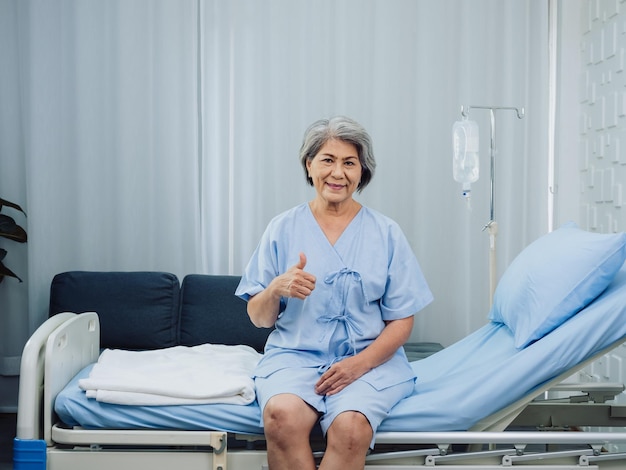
{"points": [[602, 156]]}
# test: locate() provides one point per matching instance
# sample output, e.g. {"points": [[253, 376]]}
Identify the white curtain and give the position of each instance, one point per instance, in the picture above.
{"points": [[109, 104], [403, 69], [163, 135]]}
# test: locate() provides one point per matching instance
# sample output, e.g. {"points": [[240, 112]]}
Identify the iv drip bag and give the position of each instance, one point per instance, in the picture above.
{"points": [[465, 162]]}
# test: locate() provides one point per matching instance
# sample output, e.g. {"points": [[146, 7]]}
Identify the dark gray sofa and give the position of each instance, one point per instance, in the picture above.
{"points": [[152, 310]]}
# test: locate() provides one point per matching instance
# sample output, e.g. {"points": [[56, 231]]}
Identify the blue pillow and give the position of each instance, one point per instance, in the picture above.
{"points": [[554, 278]]}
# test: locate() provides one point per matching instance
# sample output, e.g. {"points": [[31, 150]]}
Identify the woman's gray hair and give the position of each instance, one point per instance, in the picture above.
{"points": [[344, 129]]}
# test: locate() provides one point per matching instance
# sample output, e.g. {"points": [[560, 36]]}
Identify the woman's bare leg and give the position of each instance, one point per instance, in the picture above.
{"points": [[347, 442], [288, 421]]}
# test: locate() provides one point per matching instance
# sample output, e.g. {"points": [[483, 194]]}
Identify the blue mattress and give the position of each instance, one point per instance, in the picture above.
{"points": [[456, 387]]}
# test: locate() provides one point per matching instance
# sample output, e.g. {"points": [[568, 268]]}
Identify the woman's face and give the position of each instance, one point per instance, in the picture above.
{"points": [[335, 171]]}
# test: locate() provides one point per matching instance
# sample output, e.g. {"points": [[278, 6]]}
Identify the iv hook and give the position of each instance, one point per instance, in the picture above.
{"points": [[519, 111]]}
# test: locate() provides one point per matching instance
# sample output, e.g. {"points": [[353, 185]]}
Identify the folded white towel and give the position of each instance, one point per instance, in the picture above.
{"points": [[209, 373]]}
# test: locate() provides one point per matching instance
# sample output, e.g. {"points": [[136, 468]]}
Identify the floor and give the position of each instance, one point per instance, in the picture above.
{"points": [[7, 433]]}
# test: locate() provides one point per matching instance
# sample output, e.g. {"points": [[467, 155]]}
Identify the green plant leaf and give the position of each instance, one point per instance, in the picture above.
{"points": [[4, 202], [4, 271], [9, 229]]}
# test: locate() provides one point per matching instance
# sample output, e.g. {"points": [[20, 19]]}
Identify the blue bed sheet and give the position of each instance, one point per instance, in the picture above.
{"points": [[456, 387]]}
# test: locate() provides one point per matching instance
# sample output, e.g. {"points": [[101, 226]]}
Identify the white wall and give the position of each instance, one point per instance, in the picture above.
{"points": [[591, 128], [567, 128], [602, 155], [13, 295]]}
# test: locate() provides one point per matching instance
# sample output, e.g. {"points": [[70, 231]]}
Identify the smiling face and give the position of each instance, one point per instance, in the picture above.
{"points": [[335, 172]]}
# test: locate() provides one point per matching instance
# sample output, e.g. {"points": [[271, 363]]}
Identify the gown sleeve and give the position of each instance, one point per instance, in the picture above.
{"points": [[262, 267], [407, 291]]}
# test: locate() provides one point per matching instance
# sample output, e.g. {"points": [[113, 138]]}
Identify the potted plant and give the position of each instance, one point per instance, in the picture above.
{"points": [[11, 230]]}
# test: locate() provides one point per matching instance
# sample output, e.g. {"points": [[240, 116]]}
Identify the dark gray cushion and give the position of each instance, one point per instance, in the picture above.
{"points": [[137, 310], [211, 313]]}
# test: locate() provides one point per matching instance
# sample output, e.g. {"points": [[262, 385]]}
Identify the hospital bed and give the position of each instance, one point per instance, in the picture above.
{"points": [[462, 414]]}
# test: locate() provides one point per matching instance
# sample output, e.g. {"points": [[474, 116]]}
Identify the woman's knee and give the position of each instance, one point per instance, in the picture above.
{"points": [[287, 416], [350, 430]]}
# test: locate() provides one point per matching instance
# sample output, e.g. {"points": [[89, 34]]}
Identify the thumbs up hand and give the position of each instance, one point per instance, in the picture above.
{"points": [[296, 282]]}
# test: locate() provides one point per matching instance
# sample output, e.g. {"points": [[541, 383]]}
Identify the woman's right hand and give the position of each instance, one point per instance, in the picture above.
{"points": [[263, 308], [296, 282]]}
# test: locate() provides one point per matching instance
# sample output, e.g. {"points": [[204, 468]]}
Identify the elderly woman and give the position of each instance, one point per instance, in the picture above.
{"points": [[340, 284]]}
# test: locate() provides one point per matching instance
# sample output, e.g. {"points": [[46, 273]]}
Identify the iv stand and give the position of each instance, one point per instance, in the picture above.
{"points": [[492, 225]]}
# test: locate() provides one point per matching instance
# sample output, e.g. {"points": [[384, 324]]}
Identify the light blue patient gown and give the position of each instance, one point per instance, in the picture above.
{"points": [[369, 276]]}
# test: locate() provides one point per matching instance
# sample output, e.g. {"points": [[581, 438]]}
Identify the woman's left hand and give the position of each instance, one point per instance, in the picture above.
{"points": [[343, 373], [339, 376]]}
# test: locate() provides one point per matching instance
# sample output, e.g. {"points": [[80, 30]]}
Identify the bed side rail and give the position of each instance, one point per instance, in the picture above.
{"points": [[500, 437], [69, 348], [31, 378]]}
